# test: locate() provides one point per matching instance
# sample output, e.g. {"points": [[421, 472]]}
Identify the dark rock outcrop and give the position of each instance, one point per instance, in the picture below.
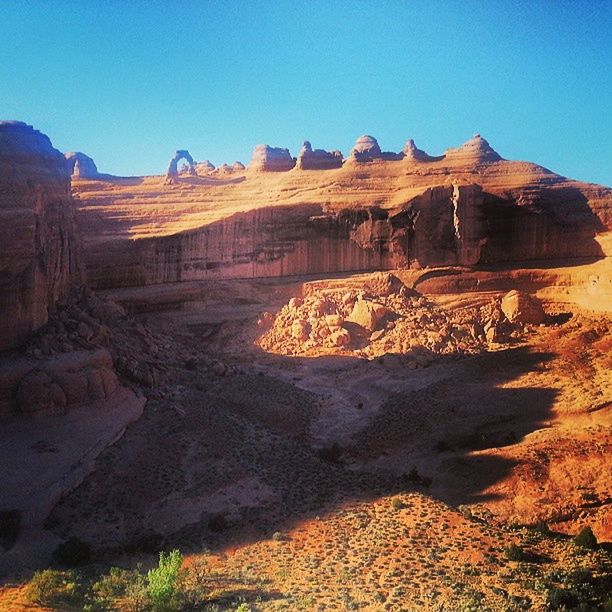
{"points": [[172, 173], [40, 259], [271, 159], [317, 159], [81, 165]]}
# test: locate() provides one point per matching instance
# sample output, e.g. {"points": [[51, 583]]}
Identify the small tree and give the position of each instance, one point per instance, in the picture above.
{"points": [[163, 587], [586, 539]]}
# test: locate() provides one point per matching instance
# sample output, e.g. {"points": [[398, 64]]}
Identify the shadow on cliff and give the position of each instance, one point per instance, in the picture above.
{"points": [[248, 437], [546, 228]]}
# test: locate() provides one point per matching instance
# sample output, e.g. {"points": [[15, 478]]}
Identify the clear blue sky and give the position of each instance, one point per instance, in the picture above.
{"points": [[129, 82]]}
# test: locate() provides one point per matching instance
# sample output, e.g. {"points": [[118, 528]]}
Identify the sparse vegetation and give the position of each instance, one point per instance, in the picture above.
{"points": [[51, 587], [515, 553], [586, 539]]}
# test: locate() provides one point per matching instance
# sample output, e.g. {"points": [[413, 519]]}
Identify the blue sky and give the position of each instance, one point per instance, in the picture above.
{"points": [[129, 82]]}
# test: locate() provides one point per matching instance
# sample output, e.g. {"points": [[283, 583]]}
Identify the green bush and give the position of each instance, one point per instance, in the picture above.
{"points": [[52, 587], [72, 553], [586, 539], [163, 581]]}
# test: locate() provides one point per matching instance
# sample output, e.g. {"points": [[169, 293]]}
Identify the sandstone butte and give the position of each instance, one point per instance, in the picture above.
{"points": [[410, 352]]}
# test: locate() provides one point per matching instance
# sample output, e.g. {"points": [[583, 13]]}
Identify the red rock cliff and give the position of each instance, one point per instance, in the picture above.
{"points": [[39, 258]]}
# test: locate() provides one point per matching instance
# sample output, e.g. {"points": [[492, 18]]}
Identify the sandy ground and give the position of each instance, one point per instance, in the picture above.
{"points": [[316, 447]]}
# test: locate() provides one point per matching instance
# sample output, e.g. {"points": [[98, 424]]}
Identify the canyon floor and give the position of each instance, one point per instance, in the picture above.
{"points": [[390, 473]]}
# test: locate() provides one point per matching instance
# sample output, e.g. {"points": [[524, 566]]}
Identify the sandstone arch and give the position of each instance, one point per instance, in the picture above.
{"points": [[172, 173]]}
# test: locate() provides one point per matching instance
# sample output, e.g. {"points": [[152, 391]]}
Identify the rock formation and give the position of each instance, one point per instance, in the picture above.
{"points": [[412, 153], [40, 257], [440, 211], [366, 148], [81, 165], [476, 150], [520, 307], [204, 167], [271, 159], [317, 159], [238, 166], [172, 173]]}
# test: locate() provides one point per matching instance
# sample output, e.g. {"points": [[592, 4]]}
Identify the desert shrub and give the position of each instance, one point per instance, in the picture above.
{"points": [[586, 539], [397, 503], [119, 585], [10, 524], [515, 553], [163, 582], [277, 536], [52, 588], [72, 553]]}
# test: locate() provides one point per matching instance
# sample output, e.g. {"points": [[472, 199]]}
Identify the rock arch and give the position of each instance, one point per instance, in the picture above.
{"points": [[172, 173]]}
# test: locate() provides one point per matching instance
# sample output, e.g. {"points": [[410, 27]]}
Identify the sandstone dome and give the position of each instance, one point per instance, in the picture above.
{"points": [[366, 147], [476, 149]]}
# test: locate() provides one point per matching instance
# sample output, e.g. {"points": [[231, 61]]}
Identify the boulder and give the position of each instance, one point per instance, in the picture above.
{"points": [[317, 159], [520, 307], [271, 159], [341, 337], [81, 165], [38, 392], [367, 314]]}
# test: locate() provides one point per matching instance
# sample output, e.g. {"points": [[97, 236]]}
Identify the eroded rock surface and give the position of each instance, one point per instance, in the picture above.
{"points": [[40, 258], [173, 172], [81, 165], [271, 159], [317, 159]]}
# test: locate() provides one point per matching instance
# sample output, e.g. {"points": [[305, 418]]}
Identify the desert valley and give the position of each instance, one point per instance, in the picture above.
{"points": [[372, 381]]}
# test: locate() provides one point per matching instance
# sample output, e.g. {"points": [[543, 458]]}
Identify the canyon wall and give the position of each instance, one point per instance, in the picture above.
{"points": [[39, 259], [442, 226]]}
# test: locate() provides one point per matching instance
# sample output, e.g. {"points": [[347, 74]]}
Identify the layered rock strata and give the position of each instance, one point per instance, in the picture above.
{"points": [[442, 226], [40, 255]]}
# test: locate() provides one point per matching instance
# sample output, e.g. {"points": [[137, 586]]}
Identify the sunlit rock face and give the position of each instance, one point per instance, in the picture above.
{"points": [[442, 226], [412, 153], [40, 256], [317, 159], [271, 159], [475, 149], [81, 165], [366, 148]]}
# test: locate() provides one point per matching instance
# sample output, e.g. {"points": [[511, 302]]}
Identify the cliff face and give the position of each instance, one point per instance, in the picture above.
{"points": [[442, 226], [39, 258], [467, 207]]}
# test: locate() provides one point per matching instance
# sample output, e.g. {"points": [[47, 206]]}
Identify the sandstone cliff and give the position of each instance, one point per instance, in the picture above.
{"points": [[39, 259], [465, 208], [81, 165]]}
